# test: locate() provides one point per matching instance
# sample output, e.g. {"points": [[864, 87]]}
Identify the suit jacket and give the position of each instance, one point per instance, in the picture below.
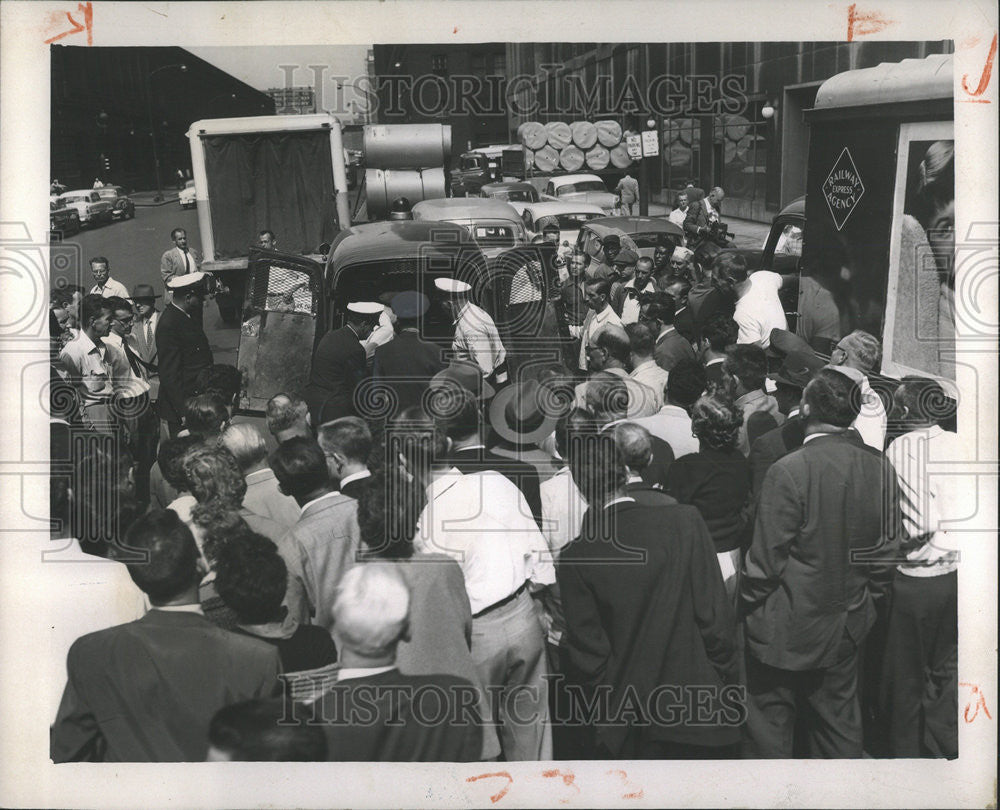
{"points": [[670, 349], [355, 488], [184, 353], [146, 691], [318, 549], [805, 579], [338, 365], [522, 474], [646, 495], [265, 499], [145, 350], [356, 713], [406, 364], [697, 217], [172, 263], [773, 445], [647, 611]]}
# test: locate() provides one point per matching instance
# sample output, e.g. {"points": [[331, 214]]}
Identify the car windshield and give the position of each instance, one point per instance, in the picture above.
{"points": [[515, 195], [583, 185], [651, 240], [75, 198], [189, 184], [107, 194], [569, 222]]}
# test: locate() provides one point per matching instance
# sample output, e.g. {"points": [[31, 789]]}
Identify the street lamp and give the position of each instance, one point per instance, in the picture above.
{"points": [[152, 129]]}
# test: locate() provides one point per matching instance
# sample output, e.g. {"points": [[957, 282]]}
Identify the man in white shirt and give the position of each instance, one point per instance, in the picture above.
{"points": [[597, 294], [103, 283], [92, 368], [180, 260], [759, 309], [640, 284], [644, 368], [672, 423], [920, 673], [856, 355], [609, 353], [679, 213], [476, 335], [483, 522]]}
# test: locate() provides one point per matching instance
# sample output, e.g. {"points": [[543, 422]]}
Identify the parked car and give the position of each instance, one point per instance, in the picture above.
{"points": [[123, 207], [89, 206], [486, 165], [642, 234], [588, 188], [494, 224], [517, 193], [569, 216], [63, 220], [186, 196]]}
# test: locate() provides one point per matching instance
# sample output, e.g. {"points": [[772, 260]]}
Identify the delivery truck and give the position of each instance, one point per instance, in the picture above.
{"points": [[283, 173]]}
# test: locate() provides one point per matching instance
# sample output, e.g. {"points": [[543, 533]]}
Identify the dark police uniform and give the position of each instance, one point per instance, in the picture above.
{"points": [[183, 351]]}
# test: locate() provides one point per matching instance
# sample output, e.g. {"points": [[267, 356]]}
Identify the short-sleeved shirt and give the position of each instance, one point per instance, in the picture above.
{"points": [[759, 310]]}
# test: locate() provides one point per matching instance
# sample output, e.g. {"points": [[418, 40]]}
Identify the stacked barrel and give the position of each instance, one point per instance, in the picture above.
{"points": [[579, 146], [681, 135], [404, 160]]}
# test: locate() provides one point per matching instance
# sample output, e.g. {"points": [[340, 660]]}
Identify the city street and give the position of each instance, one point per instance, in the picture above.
{"points": [[134, 248]]}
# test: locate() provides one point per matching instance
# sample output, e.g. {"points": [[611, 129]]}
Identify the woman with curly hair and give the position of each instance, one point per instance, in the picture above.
{"points": [[716, 480]]}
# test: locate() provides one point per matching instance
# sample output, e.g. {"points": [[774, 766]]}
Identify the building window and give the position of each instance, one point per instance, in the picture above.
{"points": [[439, 63], [499, 65]]}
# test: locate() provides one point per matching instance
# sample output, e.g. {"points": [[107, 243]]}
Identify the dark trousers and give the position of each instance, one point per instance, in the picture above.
{"points": [[919, 694], [826, 699]]}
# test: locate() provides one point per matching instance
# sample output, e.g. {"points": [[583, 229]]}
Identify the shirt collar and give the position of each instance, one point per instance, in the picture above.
{"points": [[351, 673], [88, 344], [749, 396], [317, 500], [355, 477], [604, 314], [179, 309], [440, 485], [643, 364], [193, 608], [623, 499], [113, 338], [793, 412], [665, 331], [258, 473], [714, 361], [812, 436]]}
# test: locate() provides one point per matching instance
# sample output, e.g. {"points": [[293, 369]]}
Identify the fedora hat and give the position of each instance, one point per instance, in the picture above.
{"points": [[797, 368], [466, 375], [518, 413], [140, 291]]}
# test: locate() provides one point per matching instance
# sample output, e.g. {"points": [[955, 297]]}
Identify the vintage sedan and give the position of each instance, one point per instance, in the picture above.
{"points": [[186, 197], [89, 205], [642, 234], [517, 193], [569, 216], [588, 188], [63, 220], [494, 224], [123, 207]]}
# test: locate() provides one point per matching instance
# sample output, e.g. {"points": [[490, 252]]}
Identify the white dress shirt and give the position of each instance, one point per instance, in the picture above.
{"points": [[354, 477], [930, 500], [483, 522], [133, 383], [592, 324], [90, 367], [653, 377], [477, 339], [563, 508], [673, 425], [111, 288], [631, 306]]}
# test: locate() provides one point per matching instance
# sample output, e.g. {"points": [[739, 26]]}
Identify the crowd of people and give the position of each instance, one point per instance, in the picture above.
{"points": [[689, 537]]}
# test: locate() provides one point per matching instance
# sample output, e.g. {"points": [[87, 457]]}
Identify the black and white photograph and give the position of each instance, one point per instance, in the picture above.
{"points": [[577, 413]]}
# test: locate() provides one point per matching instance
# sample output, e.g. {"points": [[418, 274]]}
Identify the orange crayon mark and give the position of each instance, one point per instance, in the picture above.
{"points": [[980, 702], [861, 24], [567, 779], [498, 775], [984, 77], [637, 794], [88, 23]]}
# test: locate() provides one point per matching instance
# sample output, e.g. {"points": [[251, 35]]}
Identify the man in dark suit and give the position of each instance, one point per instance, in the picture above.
{"points": [[647, 618], [347, 444], [407, 362], [182, 347], [145, 691], [375, 713], [339, 364], [671, 346], [463, 425], [635, 445], [702, 211], [821, 556]]}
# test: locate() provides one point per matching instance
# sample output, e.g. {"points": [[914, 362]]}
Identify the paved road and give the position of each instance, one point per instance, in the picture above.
{"points": [[134, 248]]}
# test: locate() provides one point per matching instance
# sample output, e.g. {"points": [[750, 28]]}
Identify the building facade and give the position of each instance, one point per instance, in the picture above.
{"points": [[461, 85], [116, 111], [728, 113]]}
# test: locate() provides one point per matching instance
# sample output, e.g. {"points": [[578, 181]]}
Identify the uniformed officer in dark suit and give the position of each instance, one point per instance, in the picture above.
{"points": [[407, 362], [182, 347], [339, 364]]}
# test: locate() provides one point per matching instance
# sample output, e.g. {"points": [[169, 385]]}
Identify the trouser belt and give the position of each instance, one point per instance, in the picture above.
{"points": [[502, 602]]}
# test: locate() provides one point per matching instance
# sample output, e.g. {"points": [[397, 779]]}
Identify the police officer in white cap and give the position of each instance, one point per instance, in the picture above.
{"points": [[339, 364], [476, 336], [181, 346]]}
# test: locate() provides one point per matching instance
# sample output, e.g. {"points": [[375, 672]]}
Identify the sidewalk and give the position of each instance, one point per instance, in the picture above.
{"points": [[144, 199]]}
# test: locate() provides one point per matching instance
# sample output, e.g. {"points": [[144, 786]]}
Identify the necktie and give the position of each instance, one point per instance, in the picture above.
{"points": [[133, 361], [147, 331], [187, 262]]}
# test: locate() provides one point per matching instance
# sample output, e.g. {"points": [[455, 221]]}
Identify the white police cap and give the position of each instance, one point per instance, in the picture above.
{"points": [[452, 285], [187, 280], [368, 308]]}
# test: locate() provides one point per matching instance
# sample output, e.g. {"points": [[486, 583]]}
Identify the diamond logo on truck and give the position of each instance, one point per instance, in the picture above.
{"points": [[843, 189]]}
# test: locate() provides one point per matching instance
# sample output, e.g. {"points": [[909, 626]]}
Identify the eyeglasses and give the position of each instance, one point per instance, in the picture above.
{"points": [[126, 321]]}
